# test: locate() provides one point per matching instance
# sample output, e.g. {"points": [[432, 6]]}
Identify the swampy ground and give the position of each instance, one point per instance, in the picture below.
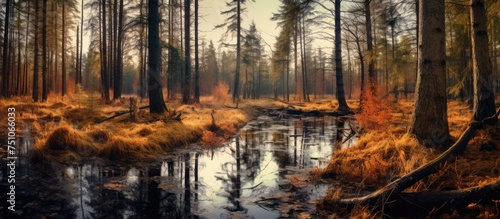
{"points": [[70, 134]]}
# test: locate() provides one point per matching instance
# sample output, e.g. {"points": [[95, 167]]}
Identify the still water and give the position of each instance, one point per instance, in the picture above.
{"points": [[247, 178]]}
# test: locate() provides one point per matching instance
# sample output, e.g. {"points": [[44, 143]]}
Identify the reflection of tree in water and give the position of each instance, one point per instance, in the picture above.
{"points": [[106, 202], [42, 181], [244, 168]]}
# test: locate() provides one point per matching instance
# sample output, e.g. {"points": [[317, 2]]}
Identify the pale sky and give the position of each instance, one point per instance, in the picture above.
{"points": [[259, 11]]}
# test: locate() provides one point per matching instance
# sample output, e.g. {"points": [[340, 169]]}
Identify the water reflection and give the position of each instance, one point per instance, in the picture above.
{"points": [[224, 183]]}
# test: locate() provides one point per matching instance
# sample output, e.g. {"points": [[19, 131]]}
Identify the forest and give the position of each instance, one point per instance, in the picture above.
{"points": [[250, 108]]}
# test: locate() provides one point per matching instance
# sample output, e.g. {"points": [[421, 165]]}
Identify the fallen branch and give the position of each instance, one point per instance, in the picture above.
{"points": [[119, 113], [392, 192], [287, 112], [428, 200]]}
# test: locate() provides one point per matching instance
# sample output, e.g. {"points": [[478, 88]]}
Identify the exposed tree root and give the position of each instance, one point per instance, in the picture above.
{"points": [[392, 194]]}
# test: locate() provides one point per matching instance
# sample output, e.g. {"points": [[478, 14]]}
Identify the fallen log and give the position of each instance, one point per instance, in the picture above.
{"points": [[119, 113], [393, 191], [428, 201], [290, 112]]}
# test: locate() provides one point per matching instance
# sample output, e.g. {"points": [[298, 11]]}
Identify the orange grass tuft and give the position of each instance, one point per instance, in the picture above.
{"points": [[375, 111]]}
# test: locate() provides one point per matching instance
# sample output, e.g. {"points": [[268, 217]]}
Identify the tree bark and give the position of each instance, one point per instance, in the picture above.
{"points": [[35, 55], [63, 55], [236, 94], [338, 60], [5, 66], [187, 52], [393, 191], [81, 47], [429, 123], [484, 97], [156, 102], [372, 76], [196, 58], [77, 75], [118, 79], [44, 51], [104, 60]]}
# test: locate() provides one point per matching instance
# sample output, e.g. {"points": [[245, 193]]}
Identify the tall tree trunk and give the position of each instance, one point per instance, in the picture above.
{"points": [[338, 60], [35, 55], [44, 51], [288, 78], [372, 75], [187, 52], [81, 47], [484, 97], [142, 71], [63, 52], [156, 102], [236, 94], [77, 76], [26, 46], [304, 61], [196, 58], [19, 75], [5, 65], [104, 67], [430, 121], [118, 79], [56, 59], [296, 68]]}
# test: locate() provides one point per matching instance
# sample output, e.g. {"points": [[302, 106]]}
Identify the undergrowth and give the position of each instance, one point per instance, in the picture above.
{"points": [[383, 155], [67, 131]]}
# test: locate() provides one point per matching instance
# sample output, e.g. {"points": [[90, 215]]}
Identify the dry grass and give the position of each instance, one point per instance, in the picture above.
{"points": [[66, 131], [381, 156], [377, 158]]}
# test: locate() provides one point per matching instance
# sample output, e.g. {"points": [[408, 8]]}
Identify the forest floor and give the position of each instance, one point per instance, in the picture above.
{"points": [[69, 130], [384, 153], [66, 131]]}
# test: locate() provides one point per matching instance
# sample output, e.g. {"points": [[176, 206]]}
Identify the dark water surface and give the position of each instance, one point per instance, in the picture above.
{"points": [[248, 178]]}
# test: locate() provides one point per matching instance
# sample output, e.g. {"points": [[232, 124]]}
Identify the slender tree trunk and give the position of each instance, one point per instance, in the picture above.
{"points": [[372, 76], [104, 67], [238, 53], [19, 74], [44, 51], [338, 60], [196, 58], [484, 97], [111, 42], [5, 66], [81, 48], [349, 66], [56, 59], [156, 102], [296, 68], [35, 55], [26, 46], [304, 61], [430, 121], [118, 79], [63, 52], [288, 78], [77, 76], [142, 72], [187, 52]]}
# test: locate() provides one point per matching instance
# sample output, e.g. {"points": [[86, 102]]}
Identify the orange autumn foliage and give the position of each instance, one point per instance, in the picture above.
{"points": [[375, 111], [210, 140], [221, 93]]}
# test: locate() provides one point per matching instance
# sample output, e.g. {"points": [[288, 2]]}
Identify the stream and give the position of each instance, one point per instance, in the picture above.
{"points": [[249, 177]]}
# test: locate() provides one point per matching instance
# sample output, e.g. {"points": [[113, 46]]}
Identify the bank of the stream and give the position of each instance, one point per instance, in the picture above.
{"points": [[256, 173], [382, 155], [71, 130]]}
